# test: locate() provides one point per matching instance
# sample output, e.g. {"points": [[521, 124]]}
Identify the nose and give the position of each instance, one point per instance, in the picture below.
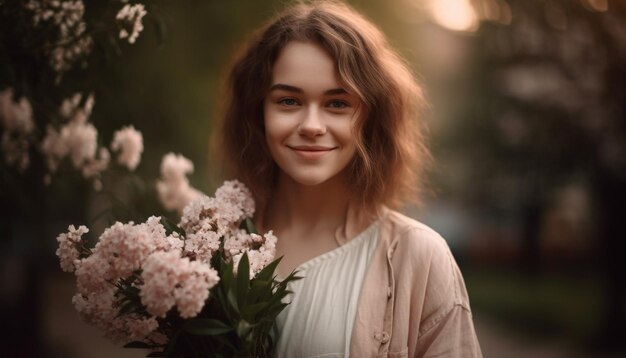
{"points": [[312, 124]]}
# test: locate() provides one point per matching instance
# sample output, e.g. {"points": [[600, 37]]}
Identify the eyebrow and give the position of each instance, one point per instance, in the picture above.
{"points": [[288, 88]]}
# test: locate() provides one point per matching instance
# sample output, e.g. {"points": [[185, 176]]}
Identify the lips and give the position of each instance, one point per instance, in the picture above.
{"points": [[311, 152]]}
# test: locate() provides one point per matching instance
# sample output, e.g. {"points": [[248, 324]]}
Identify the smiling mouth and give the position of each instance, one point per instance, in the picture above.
{"points": [[311, 153], [311, 148]]}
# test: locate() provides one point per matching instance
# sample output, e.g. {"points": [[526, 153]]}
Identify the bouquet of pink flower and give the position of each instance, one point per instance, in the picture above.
{"points": [[205, 287]]}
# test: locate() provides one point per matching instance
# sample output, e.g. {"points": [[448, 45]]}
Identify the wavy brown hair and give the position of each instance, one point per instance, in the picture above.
{"points": [[391, 152]]}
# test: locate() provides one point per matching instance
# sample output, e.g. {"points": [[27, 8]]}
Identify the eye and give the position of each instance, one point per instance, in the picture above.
{"points": [[288, 102], [338, 104]]}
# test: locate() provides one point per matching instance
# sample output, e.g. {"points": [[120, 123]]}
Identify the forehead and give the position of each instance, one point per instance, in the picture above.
{"points": [[306, 65]]}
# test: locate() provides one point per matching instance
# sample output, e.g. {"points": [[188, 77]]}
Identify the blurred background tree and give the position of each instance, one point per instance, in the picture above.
{"points": [[533, 142], [53, 55], [549, 112]]}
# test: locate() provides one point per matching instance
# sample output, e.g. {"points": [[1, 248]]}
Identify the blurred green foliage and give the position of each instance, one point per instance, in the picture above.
{"points": [[562, 306]]}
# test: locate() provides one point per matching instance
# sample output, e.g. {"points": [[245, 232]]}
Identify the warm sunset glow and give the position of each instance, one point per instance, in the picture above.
{"points": [[458, 15], [597, 5]]}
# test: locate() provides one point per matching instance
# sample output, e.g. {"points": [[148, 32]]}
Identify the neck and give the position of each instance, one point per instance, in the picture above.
{"points": [[307, 208]]}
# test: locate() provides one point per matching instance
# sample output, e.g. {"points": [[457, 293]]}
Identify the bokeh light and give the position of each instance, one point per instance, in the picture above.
{"points": [[458, 15]]}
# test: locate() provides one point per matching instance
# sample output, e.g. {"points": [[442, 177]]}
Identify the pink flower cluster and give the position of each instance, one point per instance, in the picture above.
{"points": [[17, 126], [129, 142], [173, 280], [173, 186], [68, 252], [166, 271], [260, 257], [129, 19], [73, 42], [165, 278], [205, 220], [100, 309], [77, 139]]}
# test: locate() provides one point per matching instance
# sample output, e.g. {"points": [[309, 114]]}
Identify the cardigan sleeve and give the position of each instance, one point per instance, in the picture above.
{"points": [[441, 320], [449, 330], [452, 336]]}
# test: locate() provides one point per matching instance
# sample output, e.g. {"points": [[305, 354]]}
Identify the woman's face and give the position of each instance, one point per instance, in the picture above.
{"points": [[309, 115]]}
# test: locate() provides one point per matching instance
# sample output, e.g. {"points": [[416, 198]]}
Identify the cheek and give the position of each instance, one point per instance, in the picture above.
{"points": [[349, 140], [276, 137], [279, 127], [347, 135], [274, 132], [271, 125]]}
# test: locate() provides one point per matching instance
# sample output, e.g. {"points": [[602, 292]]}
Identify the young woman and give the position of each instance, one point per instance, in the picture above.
{"points": [[320, 124]]}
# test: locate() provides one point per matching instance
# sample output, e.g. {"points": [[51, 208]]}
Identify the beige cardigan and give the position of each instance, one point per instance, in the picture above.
{"points": [[413, 302]]}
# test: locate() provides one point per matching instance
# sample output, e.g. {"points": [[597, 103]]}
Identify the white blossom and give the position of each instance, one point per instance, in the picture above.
{"points": [[71, 43], [170, 279], [129, 143], [77, 139], [129, 18], [71, 110], [82, 140], [53, 148], [173, 187], [68, 252], [17, 123], [260, 257], [206, 220], [168, 271]]}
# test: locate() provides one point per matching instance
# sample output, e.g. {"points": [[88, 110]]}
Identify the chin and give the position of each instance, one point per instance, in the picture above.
{"points": [[311, 179]]}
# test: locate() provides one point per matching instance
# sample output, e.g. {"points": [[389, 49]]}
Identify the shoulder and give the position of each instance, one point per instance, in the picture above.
{"points": [[399, 230], [421, 259]]}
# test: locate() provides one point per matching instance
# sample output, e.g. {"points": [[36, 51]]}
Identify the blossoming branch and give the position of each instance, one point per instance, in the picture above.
{"points": [[59, 38]]}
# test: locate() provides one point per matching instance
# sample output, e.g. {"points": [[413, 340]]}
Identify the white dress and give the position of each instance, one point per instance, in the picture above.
{"points": [[319, 320]]}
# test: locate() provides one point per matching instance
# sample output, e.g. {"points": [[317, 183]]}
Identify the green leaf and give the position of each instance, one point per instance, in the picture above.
{"points": [[232, 300], [225, 342], [206, 327], [171, 227], [278, 296], [259, 291], [229, 287], [292, 277], [170, 351], [138, 344], [226, 273], [243, 280], [248, 225], [274, 311], [267, 273], [250, 311], [128, 308], [244, 328], [129, 291], [223, 302]]}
